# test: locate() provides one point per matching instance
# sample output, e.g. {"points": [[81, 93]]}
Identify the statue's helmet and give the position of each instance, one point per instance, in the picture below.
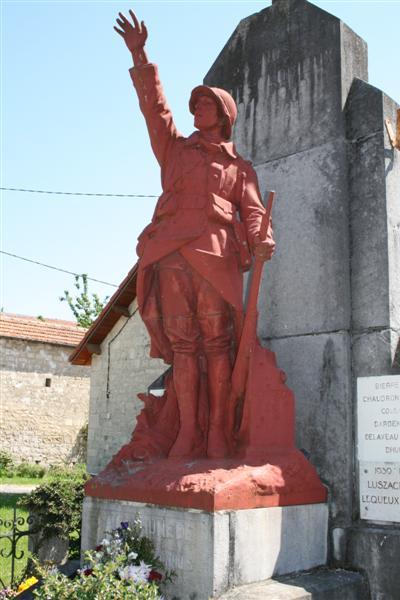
{"points": [[225, 102]]}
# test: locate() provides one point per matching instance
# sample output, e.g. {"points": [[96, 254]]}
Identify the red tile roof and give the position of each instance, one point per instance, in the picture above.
{"points": [[48, 331], [111, 313]]}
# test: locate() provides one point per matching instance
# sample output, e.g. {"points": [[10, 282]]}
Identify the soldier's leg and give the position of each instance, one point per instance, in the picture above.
{"points": [[216, 326], [181, 327]]}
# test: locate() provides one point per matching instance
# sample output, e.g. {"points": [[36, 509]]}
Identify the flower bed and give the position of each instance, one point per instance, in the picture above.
{"points": [[124, 566]]}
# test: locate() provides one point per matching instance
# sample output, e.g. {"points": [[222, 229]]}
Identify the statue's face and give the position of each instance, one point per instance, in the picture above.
{"points": [[206, 113]]}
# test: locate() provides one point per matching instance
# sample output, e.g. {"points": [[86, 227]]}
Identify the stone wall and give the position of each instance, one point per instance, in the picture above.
{"points": [[330, 300], [119, 373], [40, 423], [293, 66]]}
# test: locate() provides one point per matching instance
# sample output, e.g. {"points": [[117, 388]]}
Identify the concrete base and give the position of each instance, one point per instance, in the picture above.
{"points": [[213, 552], [376, 551], [322, 584]]}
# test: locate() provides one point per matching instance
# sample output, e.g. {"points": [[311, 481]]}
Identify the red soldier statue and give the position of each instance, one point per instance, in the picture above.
{"points": [[193, 253]]}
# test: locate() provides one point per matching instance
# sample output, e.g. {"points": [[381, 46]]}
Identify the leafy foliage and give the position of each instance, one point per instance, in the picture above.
{"points": [[101, 583], [85, 309], [10, 468], [6, 462], [122, 567], [57, 505]]}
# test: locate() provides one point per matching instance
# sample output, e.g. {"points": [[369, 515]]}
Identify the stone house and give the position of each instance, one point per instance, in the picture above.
{"points": [[44, 399]]}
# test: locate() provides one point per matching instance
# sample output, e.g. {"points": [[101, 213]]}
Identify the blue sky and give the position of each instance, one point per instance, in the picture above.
{"points": [[70, 122]]}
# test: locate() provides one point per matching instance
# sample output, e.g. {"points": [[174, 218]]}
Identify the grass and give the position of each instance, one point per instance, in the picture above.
{"points": [[7, 503], [33, 476]]}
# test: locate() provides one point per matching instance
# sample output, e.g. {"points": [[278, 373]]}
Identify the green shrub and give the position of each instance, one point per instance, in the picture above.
{"points": [[10, 468], [6, 462], [100, 584], [33, 471], [59, 472], [57, 506], [123, 567]]}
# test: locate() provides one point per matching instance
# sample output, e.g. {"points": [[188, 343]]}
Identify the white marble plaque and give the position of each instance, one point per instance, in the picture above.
{"points": [[380, 491], [379, 447]]}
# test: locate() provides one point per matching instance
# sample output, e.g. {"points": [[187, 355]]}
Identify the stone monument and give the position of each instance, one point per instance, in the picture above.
{"points": [[315, 130], [220, 443], [329, 311]]}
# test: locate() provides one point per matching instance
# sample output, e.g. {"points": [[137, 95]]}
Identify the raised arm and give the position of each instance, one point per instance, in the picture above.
{"points": [[153, 104]]}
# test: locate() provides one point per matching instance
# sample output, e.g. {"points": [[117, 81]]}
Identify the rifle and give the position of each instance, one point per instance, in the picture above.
{"points": [[249, 331]]}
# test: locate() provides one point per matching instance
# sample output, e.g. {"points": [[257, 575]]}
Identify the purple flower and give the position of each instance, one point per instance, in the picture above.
{"points": [[124, 525]]}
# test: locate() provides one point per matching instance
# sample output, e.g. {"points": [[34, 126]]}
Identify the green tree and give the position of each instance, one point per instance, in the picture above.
{"points": [[84, 307]]}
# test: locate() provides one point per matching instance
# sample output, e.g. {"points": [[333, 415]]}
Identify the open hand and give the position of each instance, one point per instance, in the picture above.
{"points": [[135, 35]]}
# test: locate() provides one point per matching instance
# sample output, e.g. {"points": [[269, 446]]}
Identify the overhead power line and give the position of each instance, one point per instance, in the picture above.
{"points": [[55, 268], [10, 189]]}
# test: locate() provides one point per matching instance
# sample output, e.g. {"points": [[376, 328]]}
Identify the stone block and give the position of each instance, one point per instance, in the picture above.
{"points": [[278, 538], [306, 286], [392, 173], [372, 353], [53, 549], [376, 551], [294, 63], [364, 110], [319, 373], [374, 179], [231, 547]]}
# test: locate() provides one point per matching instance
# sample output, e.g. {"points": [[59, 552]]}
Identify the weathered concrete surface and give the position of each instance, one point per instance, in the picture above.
{"points": [[373, 351], [211, 552], [318, 585], [392, 173], [376, 551], [374, 177], [330, 301], [283, 65], [279, 538], [318, 369], [306, 287]]}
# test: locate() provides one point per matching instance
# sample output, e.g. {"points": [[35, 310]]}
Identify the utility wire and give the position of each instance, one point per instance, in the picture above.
{"points": [[7, 189], [55, 268]]}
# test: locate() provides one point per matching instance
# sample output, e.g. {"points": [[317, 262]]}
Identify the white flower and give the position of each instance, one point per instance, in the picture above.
{"points": [[132, 555], [105, 542], [138, 573]]}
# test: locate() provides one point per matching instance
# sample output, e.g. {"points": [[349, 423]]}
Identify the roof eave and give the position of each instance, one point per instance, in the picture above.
{"points": [[111, 313]]}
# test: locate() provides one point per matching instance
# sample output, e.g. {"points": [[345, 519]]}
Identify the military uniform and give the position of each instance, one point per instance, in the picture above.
{"points": [[194, 251]]}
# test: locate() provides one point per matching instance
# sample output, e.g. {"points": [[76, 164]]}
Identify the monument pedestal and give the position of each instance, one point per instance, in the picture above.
{"points": [[220, 523], [214, 551]]}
